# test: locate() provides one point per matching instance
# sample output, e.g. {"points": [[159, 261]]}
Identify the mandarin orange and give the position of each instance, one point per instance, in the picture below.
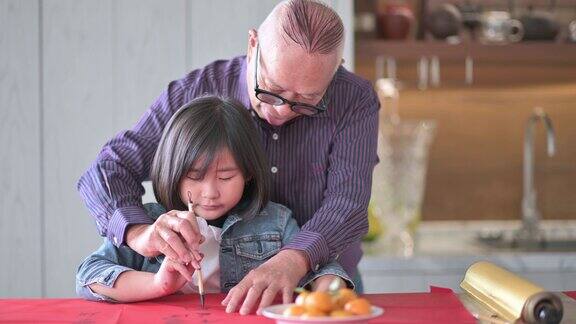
{"points": [[358, 306], [318, 300], [294, 310]]}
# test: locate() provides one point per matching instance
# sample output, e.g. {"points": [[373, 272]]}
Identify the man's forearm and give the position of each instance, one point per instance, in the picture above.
{"points": [[138, 239], [133, 232], [112, 187], [123, 220], [313, 246], [298, 258], [111, 220]]}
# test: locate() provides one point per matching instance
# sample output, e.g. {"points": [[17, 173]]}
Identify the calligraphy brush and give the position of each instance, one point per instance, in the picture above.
{"points": [[199, 271]]}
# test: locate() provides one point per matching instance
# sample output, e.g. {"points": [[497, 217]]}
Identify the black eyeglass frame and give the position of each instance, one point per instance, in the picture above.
{"points": [[307, 109]]}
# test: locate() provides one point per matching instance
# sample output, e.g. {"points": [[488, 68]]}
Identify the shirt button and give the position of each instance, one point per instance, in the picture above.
{"points": [[275, 136], [274, 169]]}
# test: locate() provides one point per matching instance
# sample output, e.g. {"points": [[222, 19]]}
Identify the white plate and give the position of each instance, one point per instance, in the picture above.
{"points": [[275, 312]]}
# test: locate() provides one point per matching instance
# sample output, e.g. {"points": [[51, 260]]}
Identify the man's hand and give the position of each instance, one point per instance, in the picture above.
{"points": [[174, 234], [280, 274], [328, 282]]}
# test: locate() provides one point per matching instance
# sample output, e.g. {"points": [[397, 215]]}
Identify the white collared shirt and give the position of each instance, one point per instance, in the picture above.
{"points": [[211, 261]]}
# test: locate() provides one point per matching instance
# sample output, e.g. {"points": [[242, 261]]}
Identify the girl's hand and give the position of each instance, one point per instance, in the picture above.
{"points": [[172, 276], [326, 282]]}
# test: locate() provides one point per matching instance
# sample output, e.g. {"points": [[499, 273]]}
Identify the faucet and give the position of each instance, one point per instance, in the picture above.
{"points": [[530, 231]]}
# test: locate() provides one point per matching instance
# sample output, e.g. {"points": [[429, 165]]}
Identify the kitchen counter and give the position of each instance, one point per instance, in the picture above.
{"points": [[444, 250]]}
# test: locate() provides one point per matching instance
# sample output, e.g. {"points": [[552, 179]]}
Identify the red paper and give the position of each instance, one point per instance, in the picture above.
{"points": [[571, 294], [170, 310], [441, 305]]}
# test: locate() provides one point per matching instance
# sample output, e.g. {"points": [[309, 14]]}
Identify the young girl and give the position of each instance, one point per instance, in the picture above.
{"points": [[210, 155]]}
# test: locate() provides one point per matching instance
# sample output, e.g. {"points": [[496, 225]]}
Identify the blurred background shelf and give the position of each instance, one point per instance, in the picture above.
{"points": [[475, 161], [527, 51]]}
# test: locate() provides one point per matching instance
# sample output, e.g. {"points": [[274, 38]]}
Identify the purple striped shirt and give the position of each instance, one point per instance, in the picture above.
{"points": [[321, 166]]}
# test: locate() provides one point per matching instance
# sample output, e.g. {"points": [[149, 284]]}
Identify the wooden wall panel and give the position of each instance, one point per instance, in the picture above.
{"points": [[91, 69], [105, 62], [345, 9], [20, 163], [219, 29]]}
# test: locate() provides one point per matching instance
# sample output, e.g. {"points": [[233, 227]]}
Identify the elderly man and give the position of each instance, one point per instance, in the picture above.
{"points": [[318, 123]]}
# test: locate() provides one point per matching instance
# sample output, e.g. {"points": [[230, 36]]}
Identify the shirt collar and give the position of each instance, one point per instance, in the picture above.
{"points": [[242, 90]]}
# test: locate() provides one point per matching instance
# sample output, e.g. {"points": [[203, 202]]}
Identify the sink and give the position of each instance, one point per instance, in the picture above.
{"points": [[553, 238], [445, 249], [485, 237], [552, 245]]}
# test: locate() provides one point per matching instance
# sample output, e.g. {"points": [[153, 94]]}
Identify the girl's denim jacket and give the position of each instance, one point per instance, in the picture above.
{"points": [[246, 244]]}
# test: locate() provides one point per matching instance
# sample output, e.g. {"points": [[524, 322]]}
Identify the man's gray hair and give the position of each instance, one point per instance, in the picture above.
{"points": [[311, 24]]}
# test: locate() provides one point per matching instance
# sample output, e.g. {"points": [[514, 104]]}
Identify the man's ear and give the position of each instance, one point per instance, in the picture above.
{"points": [[252, 42]]}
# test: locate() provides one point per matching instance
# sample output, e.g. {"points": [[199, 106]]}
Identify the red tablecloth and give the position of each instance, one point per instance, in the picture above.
{"points": [[571, 294], [438, 306]]}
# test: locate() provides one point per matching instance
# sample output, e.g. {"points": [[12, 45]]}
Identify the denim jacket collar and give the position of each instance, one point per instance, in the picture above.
{"points": [[234, 218], [229, 222]]}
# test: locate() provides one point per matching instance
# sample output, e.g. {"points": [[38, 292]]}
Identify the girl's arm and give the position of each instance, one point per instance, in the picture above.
{"points": [[130, 286], [122, 275], [133, 286]]}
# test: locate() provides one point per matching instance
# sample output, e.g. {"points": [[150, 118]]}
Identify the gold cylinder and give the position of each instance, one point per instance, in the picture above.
{"points": [[509, 296]]}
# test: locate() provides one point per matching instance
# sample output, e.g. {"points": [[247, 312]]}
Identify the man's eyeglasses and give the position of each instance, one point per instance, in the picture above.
{"points": [[276, 100]]}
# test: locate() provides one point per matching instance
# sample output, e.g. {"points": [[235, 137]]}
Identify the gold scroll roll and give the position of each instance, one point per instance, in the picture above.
{"points": [[510, 296]]}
